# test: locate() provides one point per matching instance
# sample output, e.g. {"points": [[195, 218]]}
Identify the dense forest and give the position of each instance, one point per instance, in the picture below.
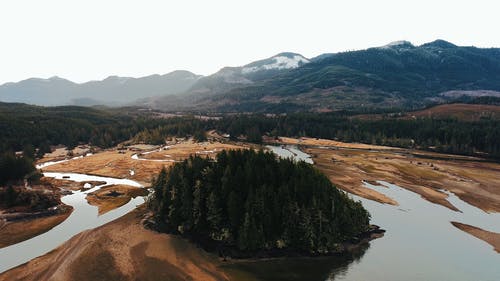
{"points": [[40, 127], [443, 135], [25, 125], [251, 201]]}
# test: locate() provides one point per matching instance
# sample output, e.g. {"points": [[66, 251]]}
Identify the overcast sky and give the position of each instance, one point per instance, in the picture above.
{"points": [[92, 39]]}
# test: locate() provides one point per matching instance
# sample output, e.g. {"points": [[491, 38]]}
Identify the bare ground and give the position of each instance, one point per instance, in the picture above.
{"points": [[106, 201], [114, 163], [426, 173], [121, 250], [18, 231], [489, 237]]}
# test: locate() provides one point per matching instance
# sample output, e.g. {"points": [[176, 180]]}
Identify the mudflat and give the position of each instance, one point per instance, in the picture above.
{"points": [[122, 250], [347, 165], [120, 164], [18, 231], [489, 237]]}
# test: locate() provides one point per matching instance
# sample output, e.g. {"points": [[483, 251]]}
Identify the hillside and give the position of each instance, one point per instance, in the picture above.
{"points": [[112, 91], [459, 111], [465, 112], [396, 75]]}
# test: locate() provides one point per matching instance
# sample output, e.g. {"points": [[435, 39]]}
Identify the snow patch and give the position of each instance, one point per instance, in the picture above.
{"points": [[395, 44], [279, 62]]}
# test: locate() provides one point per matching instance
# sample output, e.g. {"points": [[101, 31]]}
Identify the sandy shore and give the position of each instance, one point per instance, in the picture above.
{"points": [[113, 163], [489, 237], [347, 165], [18, 231], [106, 201], [121, 250]]}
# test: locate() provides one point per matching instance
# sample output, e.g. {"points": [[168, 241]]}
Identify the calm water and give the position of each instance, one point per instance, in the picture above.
{"points": [[290, 151], [420, 243], [83, 217]]}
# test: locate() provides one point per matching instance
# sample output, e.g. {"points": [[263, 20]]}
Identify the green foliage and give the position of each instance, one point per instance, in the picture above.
{"points": [[15, 168], [200, 136], [24, 127], [443, 135], [402, 75], [35, 200], [253, 201]]}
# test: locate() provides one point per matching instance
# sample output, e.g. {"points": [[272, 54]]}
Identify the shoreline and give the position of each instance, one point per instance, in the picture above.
{"points": [[348, 165], [345, 248], [492, 238], [22, 229]]}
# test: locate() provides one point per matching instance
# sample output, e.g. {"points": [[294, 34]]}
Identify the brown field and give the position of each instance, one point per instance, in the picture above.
{"points": [[122, 250], [466, 112], [113, 163], [329, 143], [460, 111], [102, 199], [70, 185], [491, 238], [61, 153], [183, 150], [426, 173], [18, 231]]}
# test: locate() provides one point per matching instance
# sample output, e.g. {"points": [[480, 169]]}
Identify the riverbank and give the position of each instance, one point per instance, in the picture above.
{"points": [[426, 173], [125, 250], [111, 197], [138, 164], [122, 250], [13, 232], [489, 237]]}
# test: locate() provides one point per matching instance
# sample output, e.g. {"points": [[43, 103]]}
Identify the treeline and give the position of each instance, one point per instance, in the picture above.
{"points": [[25, 125], [16, 168], [40, 127], [34, 200], [250, 201], [443, 135]]}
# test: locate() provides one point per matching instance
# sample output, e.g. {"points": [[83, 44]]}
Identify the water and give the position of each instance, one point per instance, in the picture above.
{"points": [[290, 151], [420, 242], [83, 217]]}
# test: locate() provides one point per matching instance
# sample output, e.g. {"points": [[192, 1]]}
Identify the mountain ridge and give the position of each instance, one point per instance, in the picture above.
{"points": [[398, 74]]}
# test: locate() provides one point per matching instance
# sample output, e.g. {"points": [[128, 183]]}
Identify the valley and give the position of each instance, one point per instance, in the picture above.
{"points": [[249, 140], [125, 243]]}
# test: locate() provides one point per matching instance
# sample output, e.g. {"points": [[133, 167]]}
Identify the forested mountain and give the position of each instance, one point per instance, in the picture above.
{"points": [[396, 75], [227, 79], [113, 91], [250, 201], [119, 91]]}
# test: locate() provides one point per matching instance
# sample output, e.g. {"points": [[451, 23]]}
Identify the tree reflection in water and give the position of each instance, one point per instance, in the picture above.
{"points": [[295, 269]]}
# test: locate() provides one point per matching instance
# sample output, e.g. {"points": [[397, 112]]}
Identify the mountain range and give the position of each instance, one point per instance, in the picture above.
{"points": [[395, 75], [112, 91]]}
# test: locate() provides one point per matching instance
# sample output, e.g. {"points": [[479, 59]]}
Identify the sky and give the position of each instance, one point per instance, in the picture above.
{"points": [[84, 40]]}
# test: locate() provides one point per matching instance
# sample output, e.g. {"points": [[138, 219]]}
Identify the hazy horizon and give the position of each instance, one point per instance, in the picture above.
{"points": [[90, 40]]}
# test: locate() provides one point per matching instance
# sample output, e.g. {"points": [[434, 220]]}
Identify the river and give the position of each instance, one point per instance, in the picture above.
{"points": [[83, 217], [420, 242]]}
